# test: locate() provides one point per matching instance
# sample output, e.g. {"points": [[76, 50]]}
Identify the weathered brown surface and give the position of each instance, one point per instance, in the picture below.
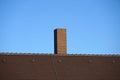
{"points": [[26, 67], [56, 67]]}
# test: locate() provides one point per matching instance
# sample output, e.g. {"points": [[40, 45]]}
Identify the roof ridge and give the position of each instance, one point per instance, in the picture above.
{"points": [[20, 53]]}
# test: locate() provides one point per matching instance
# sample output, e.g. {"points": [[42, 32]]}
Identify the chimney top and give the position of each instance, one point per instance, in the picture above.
{"points": [[60, 29]]}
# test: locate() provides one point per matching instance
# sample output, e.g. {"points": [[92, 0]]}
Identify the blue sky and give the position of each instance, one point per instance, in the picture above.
{"points": [[93, 26]]}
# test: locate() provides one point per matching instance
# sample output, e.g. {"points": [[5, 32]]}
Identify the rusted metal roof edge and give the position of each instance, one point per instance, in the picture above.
{"points": [[80, 54]]}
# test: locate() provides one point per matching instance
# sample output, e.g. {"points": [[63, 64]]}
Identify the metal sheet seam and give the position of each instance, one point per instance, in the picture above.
{"points": [[54, 67]]}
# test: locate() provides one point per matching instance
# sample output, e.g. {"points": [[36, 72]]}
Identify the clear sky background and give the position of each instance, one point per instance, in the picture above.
{"points": [[93, 26]]}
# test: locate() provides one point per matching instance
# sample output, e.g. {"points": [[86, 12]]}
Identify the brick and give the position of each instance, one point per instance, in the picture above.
{"points": [[60, 41]]}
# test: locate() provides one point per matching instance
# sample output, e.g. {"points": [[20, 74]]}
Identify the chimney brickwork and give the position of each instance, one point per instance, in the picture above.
{"points": [[60, 41]]}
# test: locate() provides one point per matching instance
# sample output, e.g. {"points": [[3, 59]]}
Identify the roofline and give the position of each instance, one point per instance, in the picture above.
{"points": [[12, 53]]}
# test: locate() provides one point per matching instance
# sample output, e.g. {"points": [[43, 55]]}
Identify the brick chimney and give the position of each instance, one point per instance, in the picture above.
{"points": [[60, 41]]}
